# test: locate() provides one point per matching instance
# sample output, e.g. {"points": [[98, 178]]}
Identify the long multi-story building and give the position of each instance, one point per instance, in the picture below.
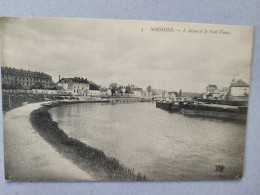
{"points": [[13, 78]]}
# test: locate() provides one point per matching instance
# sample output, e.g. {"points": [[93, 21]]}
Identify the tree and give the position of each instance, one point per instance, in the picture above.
{"points": [[113, 88], [128, 89], [180, 93], [93, 87], [154, 93], [149, 88], [37, 86], [111, 85], [113, 91]]}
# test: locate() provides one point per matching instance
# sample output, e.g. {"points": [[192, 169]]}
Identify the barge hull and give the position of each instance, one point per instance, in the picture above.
{"points": [[214, 114]]}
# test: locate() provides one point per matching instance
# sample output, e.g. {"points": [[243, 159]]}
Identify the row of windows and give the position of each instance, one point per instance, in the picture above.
{"points": [[77, 91], [21, 83], [75, 87], [78, 88], [27, 79]]}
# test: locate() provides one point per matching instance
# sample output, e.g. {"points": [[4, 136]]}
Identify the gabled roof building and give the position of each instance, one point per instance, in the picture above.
{"points": [[239, 90], [75, 86]]}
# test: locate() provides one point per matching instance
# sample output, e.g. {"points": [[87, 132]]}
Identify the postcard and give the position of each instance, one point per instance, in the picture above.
{"points": [[122, 100]]}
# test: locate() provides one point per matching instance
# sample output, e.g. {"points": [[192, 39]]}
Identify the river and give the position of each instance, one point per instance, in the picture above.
{"points": [[159, 144]]}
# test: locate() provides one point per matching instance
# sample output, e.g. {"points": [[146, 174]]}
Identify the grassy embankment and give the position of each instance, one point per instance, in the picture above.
{"points": [[87, 158]]}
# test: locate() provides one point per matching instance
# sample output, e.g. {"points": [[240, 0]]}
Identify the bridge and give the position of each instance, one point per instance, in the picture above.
{"points": [[127, 99]]}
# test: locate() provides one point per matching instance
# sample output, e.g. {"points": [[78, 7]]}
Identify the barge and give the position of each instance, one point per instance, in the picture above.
{"points": [[216, 111], [191, 108]]}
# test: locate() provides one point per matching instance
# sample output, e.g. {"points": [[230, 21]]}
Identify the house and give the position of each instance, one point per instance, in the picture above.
{"points": [[105, 92], [75, 86], [212, 92], [224, 93], [137, 92], [172, 95], [239, 90], [94, 93], [158, 93]]}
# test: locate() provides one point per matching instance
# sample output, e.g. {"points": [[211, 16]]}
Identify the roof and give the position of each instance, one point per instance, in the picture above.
{"points": [[239, 83], [137, 89], [79, 80], [24, 71], [92, 83], [172, 92], [64, 79], [75, 80], [212, 86], [103, 89]]}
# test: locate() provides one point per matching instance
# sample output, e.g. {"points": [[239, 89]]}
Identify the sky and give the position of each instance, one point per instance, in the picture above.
{"points": [[142, 53]]}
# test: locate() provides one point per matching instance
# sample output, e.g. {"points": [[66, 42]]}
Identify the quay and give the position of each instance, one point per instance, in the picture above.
{"points": [[15, 100], [125, 100]]}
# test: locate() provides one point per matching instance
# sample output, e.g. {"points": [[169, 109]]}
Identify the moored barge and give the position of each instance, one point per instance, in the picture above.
{"points": [[206, 110]]}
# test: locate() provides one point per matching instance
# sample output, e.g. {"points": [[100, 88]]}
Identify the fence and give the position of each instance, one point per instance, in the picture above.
{"points": [[35, 91]]}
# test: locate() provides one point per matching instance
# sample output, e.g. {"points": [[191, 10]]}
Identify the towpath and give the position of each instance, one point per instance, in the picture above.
{"points": [[28, 156]]}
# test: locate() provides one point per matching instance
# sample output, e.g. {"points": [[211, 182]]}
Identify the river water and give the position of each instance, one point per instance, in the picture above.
{"points": [[159, 144]]}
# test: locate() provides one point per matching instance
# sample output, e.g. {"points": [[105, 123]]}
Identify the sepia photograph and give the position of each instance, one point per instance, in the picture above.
{"points": [[123, 100]]}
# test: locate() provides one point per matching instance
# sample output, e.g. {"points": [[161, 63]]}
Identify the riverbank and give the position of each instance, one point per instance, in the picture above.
{"points": [[28, 157], [84, 156]]}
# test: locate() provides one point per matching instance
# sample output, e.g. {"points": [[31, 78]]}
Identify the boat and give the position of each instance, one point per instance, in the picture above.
{"points": [[216, 111]]}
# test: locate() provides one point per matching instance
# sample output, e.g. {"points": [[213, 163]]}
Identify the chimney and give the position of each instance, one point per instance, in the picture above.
{"points": [[59, 77]]}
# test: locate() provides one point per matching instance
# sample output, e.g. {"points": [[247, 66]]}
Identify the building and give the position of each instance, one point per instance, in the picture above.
{"points": [[105, 92], [13, 78], [137, 92], [158, 93], [75, 86], [224, 93], [172, 95], [212, 92], [94, 93], [239, 90]]}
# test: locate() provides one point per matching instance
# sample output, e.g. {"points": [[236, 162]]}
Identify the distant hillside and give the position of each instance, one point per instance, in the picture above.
{"points": [[192, 94]]}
